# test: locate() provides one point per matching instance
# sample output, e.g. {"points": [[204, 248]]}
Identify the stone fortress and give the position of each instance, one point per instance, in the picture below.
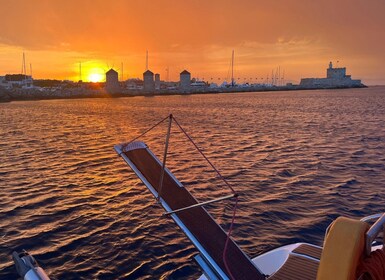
{"points": [[335, 78]]}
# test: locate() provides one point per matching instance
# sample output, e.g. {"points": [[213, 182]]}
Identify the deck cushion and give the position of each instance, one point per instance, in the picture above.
{"points": [[343, 247]]}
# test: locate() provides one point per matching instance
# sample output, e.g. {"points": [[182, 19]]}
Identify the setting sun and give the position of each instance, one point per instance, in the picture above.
{"points": [[95, 77], [93, 71]]}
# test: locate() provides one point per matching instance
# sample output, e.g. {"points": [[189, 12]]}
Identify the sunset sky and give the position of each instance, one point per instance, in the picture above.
{"points": [[299, 36]]}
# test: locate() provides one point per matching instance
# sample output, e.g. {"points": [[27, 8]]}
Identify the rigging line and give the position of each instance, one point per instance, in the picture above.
{"points": [[228, 239], [200, 204], [235, 205], [200, 151], [219, 174], [141, 135], [164, 157]]}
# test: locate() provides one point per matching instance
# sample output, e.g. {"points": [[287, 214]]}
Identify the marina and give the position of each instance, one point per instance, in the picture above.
{"points": [[15, 87]]}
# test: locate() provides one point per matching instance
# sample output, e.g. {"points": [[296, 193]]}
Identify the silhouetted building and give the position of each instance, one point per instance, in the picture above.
{"points": [[185, 80], [335, 73], [157, 81], [134, 84], [335, 77], [16, 81], [112, 81], [148, 81]]}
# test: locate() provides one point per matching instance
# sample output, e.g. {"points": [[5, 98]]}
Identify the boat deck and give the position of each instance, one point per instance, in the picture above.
{"points": [[309, 250], [197, 220], [302, 263], [297, 267]]}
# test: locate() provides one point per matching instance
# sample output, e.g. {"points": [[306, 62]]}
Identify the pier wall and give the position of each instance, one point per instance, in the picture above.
{"points": [[330, 82]]}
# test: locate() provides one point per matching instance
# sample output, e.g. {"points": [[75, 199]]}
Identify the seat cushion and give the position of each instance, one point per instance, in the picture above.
{"points": [[343, 248]]}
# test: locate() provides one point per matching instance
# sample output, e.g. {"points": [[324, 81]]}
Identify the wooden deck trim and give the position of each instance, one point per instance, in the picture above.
{"points": [[309, 250], [295, 268]]}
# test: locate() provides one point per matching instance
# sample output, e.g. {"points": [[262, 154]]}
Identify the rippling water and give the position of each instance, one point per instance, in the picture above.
{"points": [[298, 159]]}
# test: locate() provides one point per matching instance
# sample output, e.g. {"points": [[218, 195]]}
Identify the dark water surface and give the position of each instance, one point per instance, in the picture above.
{"points": [[298, 159]]}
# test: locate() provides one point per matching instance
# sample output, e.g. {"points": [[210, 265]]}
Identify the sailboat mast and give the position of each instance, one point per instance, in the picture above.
{"points": [[283, 77], [24, 70], [232, 69], [146, 60]]}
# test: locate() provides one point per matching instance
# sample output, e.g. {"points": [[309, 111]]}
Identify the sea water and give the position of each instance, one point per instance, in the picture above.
{"points": [[297, 159]]}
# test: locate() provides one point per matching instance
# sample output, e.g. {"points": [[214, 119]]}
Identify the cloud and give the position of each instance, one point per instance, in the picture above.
{"points": [[201, 34]]}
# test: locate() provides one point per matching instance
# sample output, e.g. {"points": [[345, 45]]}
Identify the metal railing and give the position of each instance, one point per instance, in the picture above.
{"points": [[374, 231]]}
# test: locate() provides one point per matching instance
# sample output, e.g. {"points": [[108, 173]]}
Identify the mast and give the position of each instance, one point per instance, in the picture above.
{"points": [[30, 69], [24, 69], [276, 77], [146, 60], [283, 77], [232, 69]]}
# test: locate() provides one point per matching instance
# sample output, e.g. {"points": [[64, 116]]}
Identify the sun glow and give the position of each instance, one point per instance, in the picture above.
{"points": [[95, 77], [90, 71]]}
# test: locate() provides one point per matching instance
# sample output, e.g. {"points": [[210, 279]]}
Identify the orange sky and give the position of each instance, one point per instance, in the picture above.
{"points": [[300, 36]]}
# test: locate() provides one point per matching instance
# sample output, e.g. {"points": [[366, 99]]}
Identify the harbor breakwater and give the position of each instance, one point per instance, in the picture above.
{"points": [[46, 94]]}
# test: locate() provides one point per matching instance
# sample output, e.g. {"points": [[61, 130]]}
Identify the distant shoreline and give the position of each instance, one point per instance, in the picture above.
{"points": [[31, 95]]}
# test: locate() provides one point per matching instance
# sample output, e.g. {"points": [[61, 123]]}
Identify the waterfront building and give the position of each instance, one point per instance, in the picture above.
{"points": [[4, 83], [157, 81], [10, 81], [112, 81], [134, 84], [335, 77], [148, 81], [185, 80]]}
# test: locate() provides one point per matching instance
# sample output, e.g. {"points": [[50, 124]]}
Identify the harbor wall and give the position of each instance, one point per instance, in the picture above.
{"points": [[330, 82]]}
